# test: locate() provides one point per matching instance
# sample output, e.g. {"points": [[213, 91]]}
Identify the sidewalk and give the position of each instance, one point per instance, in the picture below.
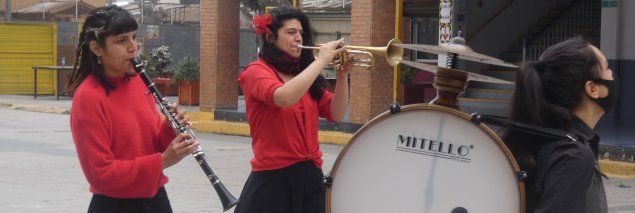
{"points": [[233, 123]]}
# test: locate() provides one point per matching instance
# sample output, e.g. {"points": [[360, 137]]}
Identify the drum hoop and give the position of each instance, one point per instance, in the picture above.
{"points": [[411, 107]]}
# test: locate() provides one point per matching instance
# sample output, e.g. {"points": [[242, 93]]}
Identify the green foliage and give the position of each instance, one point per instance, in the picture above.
{"points": [[407, 72], [157, 63], [187, 69]]}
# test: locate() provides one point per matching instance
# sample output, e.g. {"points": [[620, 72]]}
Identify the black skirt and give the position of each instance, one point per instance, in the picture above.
{"points": [[298, 188], [104, 204]]}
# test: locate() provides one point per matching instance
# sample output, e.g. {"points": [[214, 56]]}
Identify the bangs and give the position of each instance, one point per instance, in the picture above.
{"points": [[121, 22]]}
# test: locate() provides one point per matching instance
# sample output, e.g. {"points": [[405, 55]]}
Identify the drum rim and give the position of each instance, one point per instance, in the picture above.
{"points": [[412, 107]]}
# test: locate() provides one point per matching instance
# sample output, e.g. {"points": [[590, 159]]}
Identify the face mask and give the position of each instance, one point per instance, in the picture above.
{"points": [[607, 103]]}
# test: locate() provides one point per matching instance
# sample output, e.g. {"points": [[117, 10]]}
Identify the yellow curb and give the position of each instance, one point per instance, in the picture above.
{"points": [[333, 137], [201, 116], [242, 129], [618, 169], [204, 122], [221, 127]]}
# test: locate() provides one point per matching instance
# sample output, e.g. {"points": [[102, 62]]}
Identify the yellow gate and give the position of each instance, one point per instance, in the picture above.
{"points": [[23, 46]]}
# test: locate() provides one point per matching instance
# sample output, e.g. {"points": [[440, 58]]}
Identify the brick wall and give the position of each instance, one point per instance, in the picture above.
{"points": [[219, 54], [372, 24]]}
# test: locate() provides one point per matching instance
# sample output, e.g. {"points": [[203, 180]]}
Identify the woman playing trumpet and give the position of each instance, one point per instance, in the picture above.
{"points": [[284, 95]]}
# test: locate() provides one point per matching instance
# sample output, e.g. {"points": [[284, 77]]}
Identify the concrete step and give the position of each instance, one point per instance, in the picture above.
{"points": [[509, 75], [485, 106], [493, 94], [488, 85]]}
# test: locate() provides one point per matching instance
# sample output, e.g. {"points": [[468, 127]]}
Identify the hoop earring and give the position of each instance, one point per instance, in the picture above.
{"points": [[98, 59]]}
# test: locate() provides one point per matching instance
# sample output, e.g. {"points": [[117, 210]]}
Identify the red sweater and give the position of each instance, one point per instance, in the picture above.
{"points": [[119, 138], [280, 136]]}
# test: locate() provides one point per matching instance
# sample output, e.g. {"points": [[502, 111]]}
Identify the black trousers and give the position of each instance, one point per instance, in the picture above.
{"points": [[298, 188], [104, 204]]}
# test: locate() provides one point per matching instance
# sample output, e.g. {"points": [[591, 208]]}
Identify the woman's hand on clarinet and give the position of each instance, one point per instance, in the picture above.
{"points": [[180, 147], [180, 115], [329, 50]]}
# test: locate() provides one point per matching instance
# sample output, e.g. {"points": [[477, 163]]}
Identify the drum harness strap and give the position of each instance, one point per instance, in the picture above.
{"points": [[544, 152]]}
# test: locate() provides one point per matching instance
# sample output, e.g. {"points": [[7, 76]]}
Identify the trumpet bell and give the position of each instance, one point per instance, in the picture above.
{"points": [[392, 52], [363, 55]]}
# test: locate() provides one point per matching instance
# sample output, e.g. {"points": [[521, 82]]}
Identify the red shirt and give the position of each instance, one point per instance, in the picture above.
{"points": [[280, 136], [119, 138]]}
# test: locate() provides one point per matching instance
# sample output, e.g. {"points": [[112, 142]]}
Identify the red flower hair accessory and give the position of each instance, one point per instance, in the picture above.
{"points": [[261, 24]]}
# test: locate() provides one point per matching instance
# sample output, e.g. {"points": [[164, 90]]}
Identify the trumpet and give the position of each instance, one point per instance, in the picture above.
{"points": [[393, 54]]}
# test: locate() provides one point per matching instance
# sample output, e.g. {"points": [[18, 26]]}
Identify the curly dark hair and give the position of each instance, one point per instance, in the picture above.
{"points": [[272, 55]]}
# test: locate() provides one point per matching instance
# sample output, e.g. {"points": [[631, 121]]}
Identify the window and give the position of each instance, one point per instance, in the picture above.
{"points": [[425, 31]]}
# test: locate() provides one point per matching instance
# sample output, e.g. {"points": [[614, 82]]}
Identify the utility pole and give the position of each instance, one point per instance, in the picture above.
{"points": [[8, 10], [142, 6], [44, 10]]}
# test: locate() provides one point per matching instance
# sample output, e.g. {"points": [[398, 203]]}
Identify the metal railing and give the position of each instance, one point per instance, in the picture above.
{"points": [[579, 18]]}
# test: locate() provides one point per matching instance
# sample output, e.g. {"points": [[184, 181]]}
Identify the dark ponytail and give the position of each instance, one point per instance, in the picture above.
{"points": [[547, 92]]}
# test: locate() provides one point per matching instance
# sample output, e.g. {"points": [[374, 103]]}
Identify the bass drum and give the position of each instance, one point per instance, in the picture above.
{"points": [[425, 158]]}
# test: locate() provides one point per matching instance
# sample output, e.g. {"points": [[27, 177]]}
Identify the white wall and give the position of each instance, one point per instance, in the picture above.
{"points": [[618, 45], [618, 39], [609, 32], [628, 30]]}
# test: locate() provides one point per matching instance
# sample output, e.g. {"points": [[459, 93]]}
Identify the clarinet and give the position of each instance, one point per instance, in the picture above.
{"points": [[227, 199]]}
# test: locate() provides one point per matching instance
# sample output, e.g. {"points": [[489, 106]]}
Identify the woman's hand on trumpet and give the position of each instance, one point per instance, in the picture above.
{"points": [[345, 69], [329, 50]]}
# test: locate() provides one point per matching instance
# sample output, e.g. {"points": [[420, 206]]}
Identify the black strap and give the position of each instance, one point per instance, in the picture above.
{"points": [[527, 128], [544, 152]]}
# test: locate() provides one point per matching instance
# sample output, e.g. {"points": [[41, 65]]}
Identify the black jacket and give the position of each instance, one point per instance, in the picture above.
{"points": [[566, 177]]}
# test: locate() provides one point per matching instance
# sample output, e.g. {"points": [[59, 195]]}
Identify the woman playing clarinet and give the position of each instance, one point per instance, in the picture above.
{"points": [[122, 143]]}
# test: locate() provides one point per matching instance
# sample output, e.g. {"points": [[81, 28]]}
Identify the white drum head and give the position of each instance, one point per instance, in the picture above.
{"points": [[425, 159]]}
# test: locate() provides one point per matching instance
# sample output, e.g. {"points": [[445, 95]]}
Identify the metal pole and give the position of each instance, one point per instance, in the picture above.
{"points": [[398, 31], [43, 9], [76, 9], [524, 49], [8, 10], [618, 56], [142, 6]]}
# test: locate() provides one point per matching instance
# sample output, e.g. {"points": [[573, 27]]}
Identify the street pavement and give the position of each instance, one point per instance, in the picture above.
{"points": [[40, 171]]}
